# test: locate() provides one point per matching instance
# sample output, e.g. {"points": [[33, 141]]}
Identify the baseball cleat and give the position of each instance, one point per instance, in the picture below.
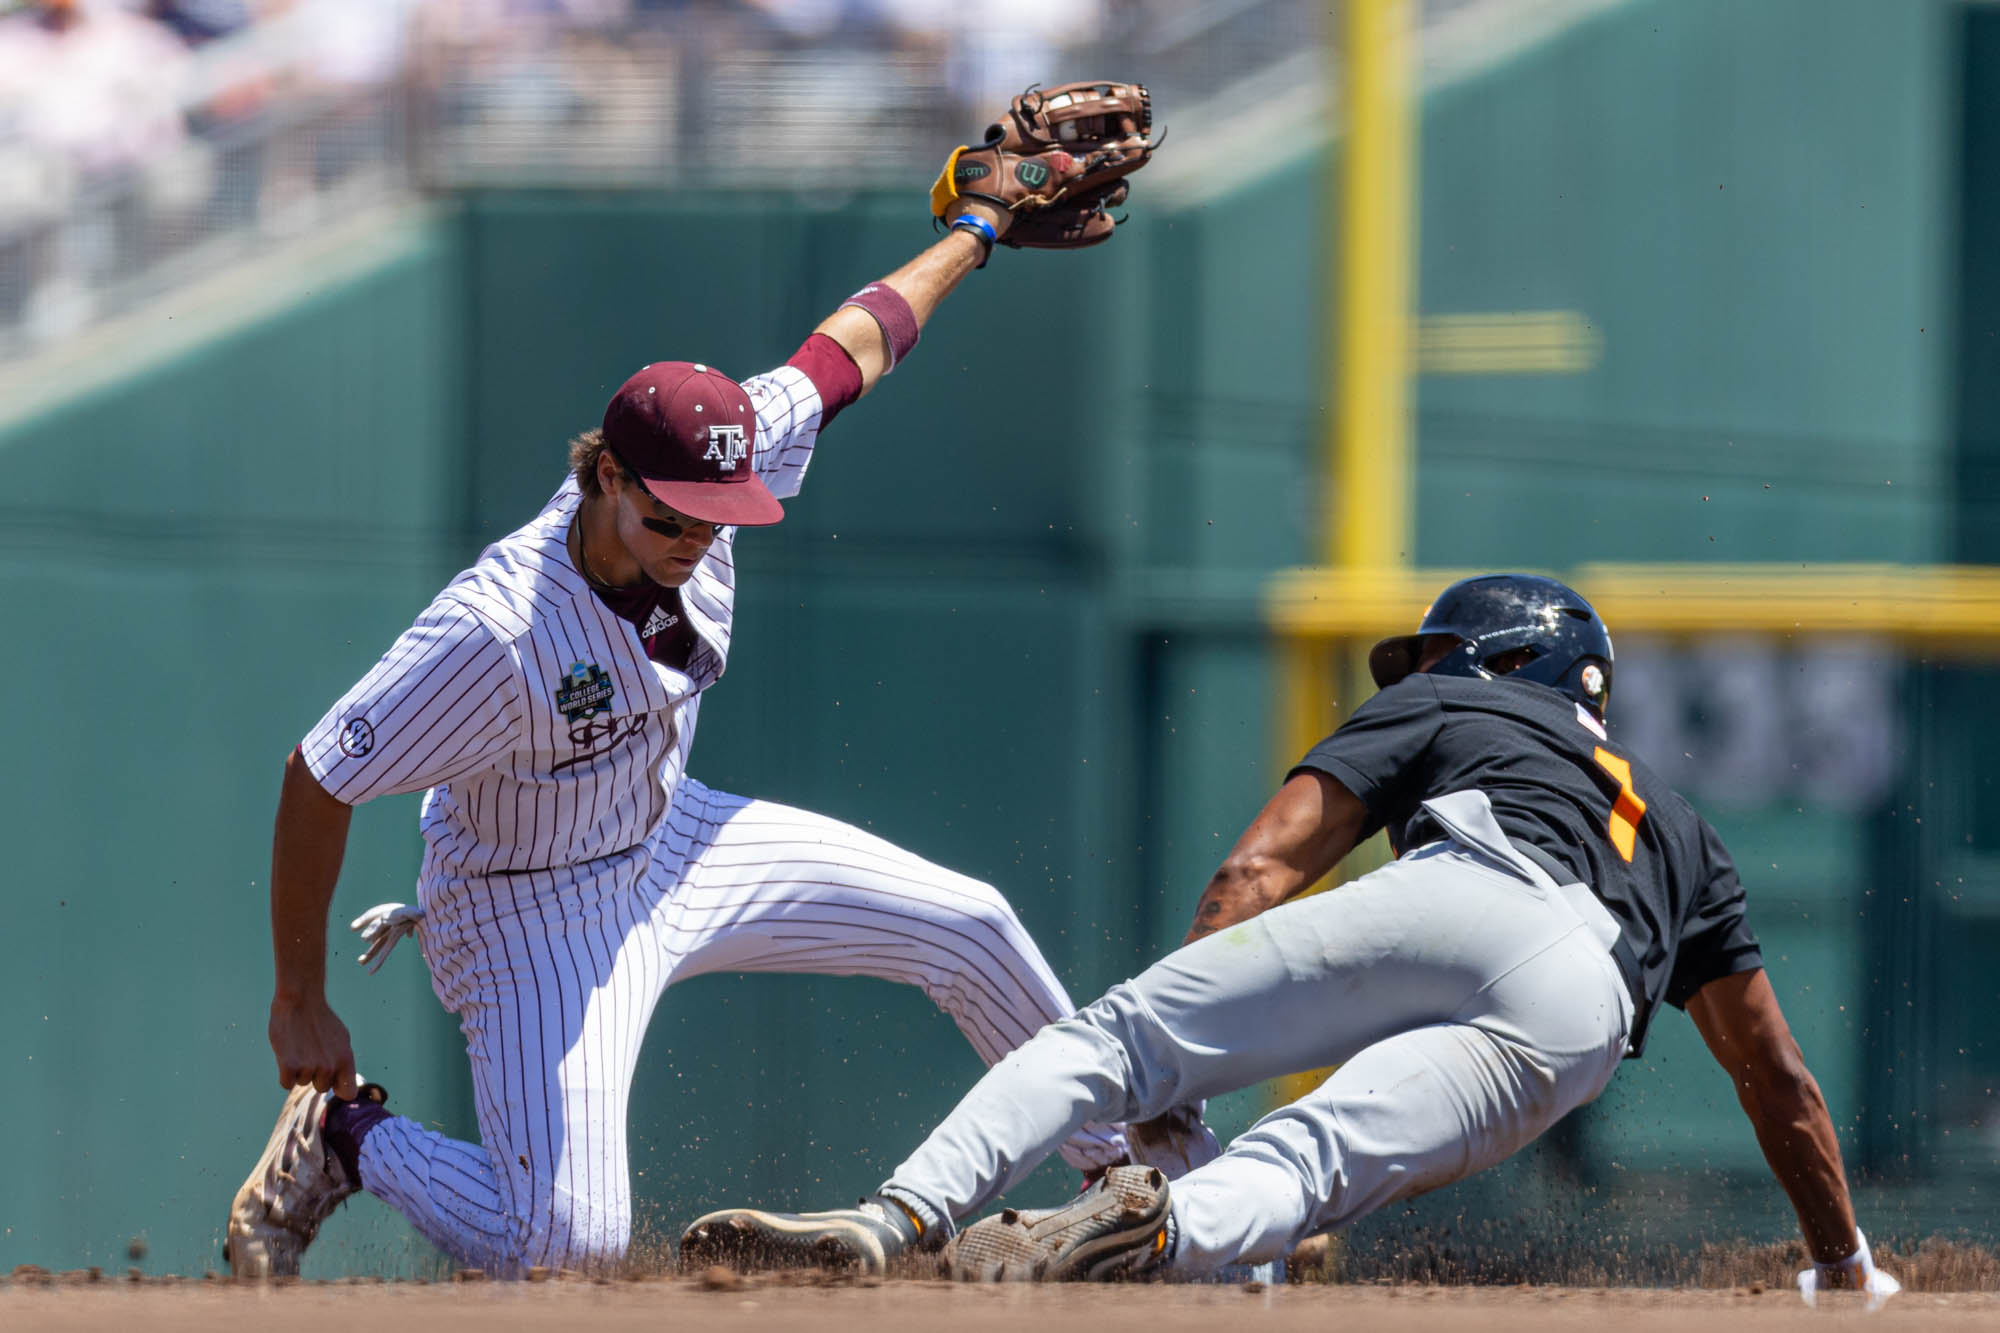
{"points": [[294, 1187], [859, 1239], [1113, 1231]]}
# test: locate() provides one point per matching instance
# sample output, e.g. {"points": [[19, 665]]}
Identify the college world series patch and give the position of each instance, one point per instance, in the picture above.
{"points": [[585, 692]]}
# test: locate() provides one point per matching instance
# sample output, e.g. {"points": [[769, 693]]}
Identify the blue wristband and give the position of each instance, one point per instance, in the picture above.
{"points": [[981, 228]]}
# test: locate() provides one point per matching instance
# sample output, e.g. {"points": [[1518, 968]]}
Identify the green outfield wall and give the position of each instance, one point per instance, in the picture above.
{"points": [[199, 553], [1012, 620]]}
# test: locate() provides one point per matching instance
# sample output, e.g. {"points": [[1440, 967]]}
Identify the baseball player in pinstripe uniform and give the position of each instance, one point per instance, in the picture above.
{"points": [[1551, 896], [546, 702]]}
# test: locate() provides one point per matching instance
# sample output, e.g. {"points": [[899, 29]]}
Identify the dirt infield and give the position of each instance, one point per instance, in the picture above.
{"points": [[690, 1303], [1949, 1285]]}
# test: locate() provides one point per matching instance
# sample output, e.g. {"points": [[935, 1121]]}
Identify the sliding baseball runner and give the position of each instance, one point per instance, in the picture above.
{"points": [[1551, 896], [546, 702]]}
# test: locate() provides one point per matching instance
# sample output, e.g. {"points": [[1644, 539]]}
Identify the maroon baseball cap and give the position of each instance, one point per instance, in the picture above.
{"points": [[688, 431]]}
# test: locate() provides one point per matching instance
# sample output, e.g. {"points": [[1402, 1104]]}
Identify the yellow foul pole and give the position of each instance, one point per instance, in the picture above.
{"points": [[1369, 449]]}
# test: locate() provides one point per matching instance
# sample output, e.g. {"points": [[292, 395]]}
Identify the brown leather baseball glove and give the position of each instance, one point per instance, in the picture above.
{"points": [[1057, 161]]}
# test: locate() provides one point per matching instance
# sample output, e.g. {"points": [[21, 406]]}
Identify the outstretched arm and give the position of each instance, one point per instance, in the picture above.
{"points": [[922, 283], [309, 1040], [1299, 835], [1739, 1018]]}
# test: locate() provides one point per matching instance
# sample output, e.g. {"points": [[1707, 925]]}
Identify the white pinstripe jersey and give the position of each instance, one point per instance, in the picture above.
{"points": [[544, 732]]}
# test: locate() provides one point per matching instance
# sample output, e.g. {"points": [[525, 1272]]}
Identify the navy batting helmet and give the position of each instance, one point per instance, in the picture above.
{"points": [[1497, 614]]}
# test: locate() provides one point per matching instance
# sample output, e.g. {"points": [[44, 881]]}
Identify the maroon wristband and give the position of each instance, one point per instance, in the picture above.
{"points": [[893, 313], [832, 372]]}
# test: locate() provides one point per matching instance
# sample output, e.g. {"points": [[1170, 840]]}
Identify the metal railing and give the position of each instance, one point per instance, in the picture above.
{"points": [[120, 238], [704, 97], [660, 106]]}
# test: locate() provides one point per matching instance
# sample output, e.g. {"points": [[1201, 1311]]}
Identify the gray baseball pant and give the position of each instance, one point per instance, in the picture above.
{"points": [[1469, 1000]]}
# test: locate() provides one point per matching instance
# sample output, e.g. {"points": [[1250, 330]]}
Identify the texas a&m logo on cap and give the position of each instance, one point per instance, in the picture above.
{"points": [[726, 447]]}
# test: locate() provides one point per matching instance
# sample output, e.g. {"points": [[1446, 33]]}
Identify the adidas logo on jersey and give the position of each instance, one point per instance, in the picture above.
{"points": [[659, 622], [726, 447]]}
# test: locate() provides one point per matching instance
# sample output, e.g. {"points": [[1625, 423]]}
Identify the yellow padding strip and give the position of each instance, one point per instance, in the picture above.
{"points": [[943, 190]]}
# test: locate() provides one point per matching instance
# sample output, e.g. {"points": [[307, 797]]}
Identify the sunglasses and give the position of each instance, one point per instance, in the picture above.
{"points": [[670, 528], [676, 526]]}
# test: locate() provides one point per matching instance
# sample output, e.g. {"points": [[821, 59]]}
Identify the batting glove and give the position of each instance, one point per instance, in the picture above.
{"points": [[383, 927]]}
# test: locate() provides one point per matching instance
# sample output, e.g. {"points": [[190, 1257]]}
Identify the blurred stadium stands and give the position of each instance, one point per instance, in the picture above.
{"points": [[145, 141]]}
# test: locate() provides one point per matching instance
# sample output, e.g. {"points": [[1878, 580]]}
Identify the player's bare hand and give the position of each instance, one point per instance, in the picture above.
{"points": [[312, 1046]]}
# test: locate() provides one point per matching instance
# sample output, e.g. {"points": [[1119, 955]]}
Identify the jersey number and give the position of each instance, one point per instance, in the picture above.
{"points": [[1628, 809]]}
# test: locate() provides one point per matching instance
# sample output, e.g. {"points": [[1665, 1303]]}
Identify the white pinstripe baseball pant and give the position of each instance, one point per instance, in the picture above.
{"points": [[554, 976]]}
